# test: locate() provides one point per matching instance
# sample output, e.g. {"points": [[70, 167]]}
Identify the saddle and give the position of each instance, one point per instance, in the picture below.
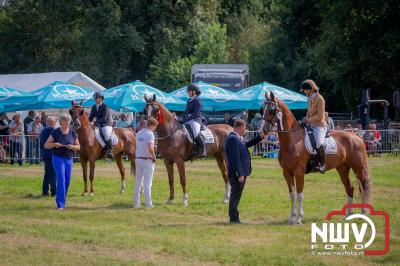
{"points": [[310, 144], [205, 134], [100, 138]]}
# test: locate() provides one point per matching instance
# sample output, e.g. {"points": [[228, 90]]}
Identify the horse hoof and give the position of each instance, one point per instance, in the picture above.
{"points": [[185, 204], [122, 191], [169, 202], [226, 200], [91, 194], [85, 194]]}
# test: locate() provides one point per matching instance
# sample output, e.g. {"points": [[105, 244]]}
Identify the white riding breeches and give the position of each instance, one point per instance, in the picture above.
{"points": [[107, 131], [144, 176], [319, 134], [195, 127]]}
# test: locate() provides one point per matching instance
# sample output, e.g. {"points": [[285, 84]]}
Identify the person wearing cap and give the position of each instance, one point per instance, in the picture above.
{"points": [[100, 116], [316, 118], [193, 115]]}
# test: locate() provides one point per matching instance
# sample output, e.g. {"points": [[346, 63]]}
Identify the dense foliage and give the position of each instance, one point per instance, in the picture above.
{"points": [[344, 45]]}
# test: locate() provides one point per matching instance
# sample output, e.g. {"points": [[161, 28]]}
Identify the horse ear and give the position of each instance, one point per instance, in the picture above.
{"points": [[272, 97], [70, 112], [72, 103], [145, 98], [267, 97], [154, 97], [81, 103]]}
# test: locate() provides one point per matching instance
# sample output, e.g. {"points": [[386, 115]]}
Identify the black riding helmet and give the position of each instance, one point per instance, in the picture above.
{"points": [[98, 94], [194, 87], [305, 86]]}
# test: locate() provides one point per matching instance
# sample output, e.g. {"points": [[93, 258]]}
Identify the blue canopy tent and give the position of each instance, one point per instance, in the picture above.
{"points": [[12, 99], [130, 97], [57, 95], [256, 95], [213, 98]]}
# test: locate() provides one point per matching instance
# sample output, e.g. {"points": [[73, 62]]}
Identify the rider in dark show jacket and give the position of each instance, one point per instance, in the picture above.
{"points": [[193, 115], [103, 120]]}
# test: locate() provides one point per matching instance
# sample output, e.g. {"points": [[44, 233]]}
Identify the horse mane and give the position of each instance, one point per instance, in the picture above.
{"points": [[286, 111], [168, 117], [85, 119]]}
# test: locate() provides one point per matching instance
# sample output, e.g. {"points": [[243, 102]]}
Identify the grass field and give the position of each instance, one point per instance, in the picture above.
{"points": [[105, 229]]}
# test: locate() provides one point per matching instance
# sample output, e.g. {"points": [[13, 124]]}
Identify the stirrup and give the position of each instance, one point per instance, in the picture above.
{"points": [[321, 169]]}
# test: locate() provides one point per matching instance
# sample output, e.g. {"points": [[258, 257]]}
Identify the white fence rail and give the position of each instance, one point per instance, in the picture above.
{"points": [[26, 149]]}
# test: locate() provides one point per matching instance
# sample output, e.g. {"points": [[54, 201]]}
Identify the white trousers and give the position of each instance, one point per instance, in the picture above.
{"points": [[195, 127], [107, 131], [319, 133], [144, 176]]}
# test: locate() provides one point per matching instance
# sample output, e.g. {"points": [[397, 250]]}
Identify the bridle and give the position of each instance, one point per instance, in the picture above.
{"points": [[156, 113], [76, 122], [273, 109]]}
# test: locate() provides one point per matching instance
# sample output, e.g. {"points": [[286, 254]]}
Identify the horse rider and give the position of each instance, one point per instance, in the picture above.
{"points": [[316, 118], [101, 115], [193, 115]]}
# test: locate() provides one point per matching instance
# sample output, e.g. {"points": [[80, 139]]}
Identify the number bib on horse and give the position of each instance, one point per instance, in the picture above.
{"points": [[330, 144]]}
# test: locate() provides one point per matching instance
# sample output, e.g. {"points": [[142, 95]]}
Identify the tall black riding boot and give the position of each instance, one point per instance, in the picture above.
{"points": [[109, 149], [321, 157], [202, 148]]}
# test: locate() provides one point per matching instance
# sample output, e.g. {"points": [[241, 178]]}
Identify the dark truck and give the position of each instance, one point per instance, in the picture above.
{"points": [[232, 77]]}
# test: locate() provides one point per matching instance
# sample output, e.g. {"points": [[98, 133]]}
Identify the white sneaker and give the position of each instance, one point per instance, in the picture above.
{"points": [[136, 206]]}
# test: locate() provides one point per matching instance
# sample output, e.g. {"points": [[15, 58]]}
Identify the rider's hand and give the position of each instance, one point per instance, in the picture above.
{"points": [[241, 179]]}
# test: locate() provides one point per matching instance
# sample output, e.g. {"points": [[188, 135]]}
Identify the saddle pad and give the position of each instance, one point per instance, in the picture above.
{"points": [[330, 145], [206, 133], [208, 136], [114, 138]]}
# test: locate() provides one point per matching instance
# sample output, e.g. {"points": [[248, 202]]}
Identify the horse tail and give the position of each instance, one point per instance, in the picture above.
{"points": [[366, 196]]}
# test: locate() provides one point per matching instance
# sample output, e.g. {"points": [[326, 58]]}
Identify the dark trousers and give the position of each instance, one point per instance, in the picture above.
{"points": [[49, 178], [16, 148], [236, 194]]}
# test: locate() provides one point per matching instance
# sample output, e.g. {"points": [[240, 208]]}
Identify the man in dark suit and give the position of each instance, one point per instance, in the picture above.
{"points": [[100, 116], [239, 165]]}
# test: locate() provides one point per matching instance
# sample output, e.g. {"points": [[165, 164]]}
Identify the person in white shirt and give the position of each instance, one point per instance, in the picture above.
{"points": [[34, 129], [145, 160]]}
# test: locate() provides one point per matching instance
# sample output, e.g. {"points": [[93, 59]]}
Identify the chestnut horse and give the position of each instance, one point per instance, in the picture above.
{"points": [[91, 150], [293, 156], [174, 146]]}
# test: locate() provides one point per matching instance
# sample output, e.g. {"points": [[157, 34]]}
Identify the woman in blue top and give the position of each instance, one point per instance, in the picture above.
{"points": [[64, 142], [193, 115]]}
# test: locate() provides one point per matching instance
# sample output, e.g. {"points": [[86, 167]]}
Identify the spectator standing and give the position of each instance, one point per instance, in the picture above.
{"points": [[49, 178], [17, 138], [123, 121], [29, 119], [329, 120], [64, 142], [228, 119], [34, 130], [145, 159], [256, 122], [4, 122], [43, 119]]}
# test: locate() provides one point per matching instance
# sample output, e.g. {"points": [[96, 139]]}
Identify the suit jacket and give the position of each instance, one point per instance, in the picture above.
{"points": [[316, 110], [193, 110], [238, 155], [103, 115]]}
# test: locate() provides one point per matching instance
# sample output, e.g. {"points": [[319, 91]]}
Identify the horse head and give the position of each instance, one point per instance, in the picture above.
{"points": [[76, 112], [152, 107], [271, 110]]}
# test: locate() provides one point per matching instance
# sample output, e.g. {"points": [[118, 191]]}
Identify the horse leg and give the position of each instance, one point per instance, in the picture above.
{"points": [[120, 164], [170, 169], [290, 183], [221, 161], [84, 170], [343, 171], [92, 164], [299, 176], [182, 176]]}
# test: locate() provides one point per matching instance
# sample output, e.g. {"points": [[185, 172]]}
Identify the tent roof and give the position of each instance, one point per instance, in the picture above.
{"points": [[30, 82]]}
